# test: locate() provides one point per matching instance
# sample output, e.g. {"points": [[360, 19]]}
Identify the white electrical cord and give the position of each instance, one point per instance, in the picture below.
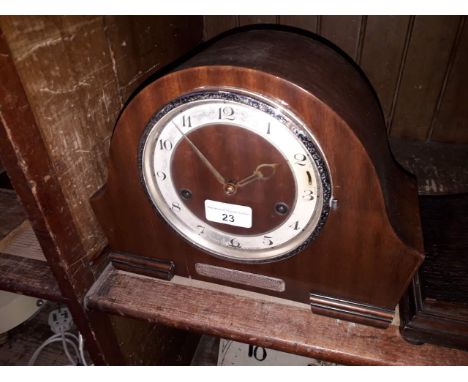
{"points": [[81, 347], [65, 348], [55, 338], [60, 321]]}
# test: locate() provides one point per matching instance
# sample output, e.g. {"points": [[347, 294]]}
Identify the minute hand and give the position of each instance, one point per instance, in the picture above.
{"points": [[207, 163]]}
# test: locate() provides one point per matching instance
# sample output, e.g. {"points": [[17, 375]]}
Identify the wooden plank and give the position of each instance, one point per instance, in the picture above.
{"points": [[440, 168], [141, 45], [29, 277], [308, 23], [343, 31], [215, 25], [451, 120], [269, 323], [251, 19], [382, 54], [75, 100], [423, 75], [36, 182]]}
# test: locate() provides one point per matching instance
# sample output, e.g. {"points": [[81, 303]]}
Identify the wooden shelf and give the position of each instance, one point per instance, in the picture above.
{"points": [[27, 276], [260, 320], [23, 267], [440, 168]]}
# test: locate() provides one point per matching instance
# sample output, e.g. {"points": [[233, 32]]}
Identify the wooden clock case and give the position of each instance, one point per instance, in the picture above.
{"points": [[371, 244]]}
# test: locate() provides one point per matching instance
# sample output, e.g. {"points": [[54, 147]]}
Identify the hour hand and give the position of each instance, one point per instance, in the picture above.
{"points": [[207, 163], [263, 171]]}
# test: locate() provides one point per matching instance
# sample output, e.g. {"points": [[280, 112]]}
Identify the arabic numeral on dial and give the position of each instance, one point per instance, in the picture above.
{"points": [[234, 243], [175, 207], [269, 128], [257, 352], [201, 229], [226, 112], [295, 225], [161, 175], [186, 121], [308, 195], [267, 240], [165, 144], [300, 159]]}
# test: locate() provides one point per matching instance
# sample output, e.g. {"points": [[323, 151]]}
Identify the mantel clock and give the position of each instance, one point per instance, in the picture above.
{"points": [[262, 163]]}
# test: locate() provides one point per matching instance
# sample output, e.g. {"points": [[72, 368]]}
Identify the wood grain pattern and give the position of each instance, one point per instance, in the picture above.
{"points": [[382, 53], [74, 105], [27, 161], [308, 23], [263, 323], [423, 75], [451, 120], [343, 31], [260, 19], [215, 25], [29, 277], [141, 45], [440, 168]]}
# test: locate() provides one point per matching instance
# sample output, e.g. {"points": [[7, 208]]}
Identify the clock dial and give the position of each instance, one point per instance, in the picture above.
{"points": [[236, 175], [236, 152]]}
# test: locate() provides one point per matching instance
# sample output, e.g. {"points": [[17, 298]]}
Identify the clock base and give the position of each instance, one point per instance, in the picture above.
{"points": [[320, 304], [351, 311]]}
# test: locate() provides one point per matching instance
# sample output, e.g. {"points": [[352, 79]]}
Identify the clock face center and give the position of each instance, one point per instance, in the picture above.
{"points": [[256, 175], [230, 188]]}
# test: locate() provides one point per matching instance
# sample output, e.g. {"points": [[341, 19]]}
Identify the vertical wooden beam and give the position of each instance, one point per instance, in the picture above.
{"points": [[27, 162]]}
